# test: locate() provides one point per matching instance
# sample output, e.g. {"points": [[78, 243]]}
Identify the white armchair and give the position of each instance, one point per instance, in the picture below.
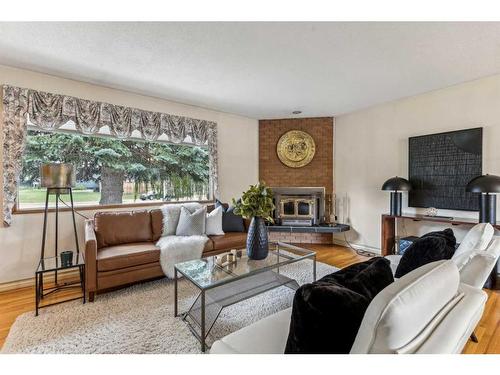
{"points": [[426, 311], [475, 258]]}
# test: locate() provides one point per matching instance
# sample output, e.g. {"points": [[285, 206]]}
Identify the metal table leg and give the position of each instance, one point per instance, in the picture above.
{"points": [[314, 267], [37, 293], [40, 285], [203, 321], [175, 292]]}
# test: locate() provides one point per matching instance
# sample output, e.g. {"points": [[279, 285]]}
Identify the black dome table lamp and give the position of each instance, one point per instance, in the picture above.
{"points": [[396, 185], [488, 186]]}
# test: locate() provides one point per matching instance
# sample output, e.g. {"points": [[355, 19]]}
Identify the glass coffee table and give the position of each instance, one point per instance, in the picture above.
{"points": [[224, 286]]}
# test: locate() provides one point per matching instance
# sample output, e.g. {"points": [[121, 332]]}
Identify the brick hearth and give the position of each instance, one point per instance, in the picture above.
{"points": [[319, 238]]}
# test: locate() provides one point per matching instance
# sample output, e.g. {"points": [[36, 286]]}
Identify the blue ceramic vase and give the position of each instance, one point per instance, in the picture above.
{"points": [[257, 240]]}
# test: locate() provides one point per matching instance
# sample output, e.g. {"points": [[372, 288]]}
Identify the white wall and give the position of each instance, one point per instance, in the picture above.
{"points": [[372, 145], [238, 163]]}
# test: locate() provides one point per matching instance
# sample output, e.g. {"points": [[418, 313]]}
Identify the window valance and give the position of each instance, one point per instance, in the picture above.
{"points": [[49, 112]]}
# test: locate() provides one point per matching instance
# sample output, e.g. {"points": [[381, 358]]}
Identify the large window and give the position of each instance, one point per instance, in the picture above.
{"points": [[110, 171]]}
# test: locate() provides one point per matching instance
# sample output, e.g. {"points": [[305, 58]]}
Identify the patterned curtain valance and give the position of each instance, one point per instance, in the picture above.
{"points": [[51, 111]]}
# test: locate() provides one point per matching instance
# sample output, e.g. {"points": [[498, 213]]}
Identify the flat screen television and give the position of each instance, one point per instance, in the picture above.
{"points": [[441, 165]]}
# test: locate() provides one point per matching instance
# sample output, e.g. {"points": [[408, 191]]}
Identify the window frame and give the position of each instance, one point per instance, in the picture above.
{"points": [[17, 210]]}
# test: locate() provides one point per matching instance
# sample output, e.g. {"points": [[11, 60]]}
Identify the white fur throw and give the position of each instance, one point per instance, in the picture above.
{"points": [[177, 249], [171, 214]]}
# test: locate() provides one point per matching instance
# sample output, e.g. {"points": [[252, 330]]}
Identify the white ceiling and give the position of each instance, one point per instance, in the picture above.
{"points": [[260, 70]]}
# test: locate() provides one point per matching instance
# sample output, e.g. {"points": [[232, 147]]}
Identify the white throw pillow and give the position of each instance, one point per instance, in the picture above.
{"points": [[214, 222], [478, 238], [191, 223], [171, 213]]}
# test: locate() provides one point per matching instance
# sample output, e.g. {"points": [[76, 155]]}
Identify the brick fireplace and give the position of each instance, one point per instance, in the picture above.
{"points": [[318, 173]]}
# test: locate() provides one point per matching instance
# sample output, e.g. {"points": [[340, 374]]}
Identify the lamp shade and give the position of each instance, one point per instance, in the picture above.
{"points": [[487, 183], [57, 175], [397, 184]]}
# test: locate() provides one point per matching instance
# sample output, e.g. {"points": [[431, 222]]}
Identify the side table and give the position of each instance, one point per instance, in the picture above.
{"points": [[53, 264]]}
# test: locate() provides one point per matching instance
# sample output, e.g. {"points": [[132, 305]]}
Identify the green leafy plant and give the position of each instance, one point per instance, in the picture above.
{"points": [[257, 201]]}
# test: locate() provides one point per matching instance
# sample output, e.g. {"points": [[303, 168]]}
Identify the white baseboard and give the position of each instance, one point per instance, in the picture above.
{"points": [[30, 283], [367, 248], [18, 284]]}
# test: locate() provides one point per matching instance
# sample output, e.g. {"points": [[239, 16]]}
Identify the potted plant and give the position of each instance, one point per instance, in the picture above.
{"points": [[256, 204]]}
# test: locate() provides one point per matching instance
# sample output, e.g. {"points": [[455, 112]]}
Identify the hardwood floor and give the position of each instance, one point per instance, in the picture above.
{"points": [[15, 302]]}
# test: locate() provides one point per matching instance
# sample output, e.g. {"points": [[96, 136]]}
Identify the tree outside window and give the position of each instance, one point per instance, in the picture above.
{"points": [[113, 171]]}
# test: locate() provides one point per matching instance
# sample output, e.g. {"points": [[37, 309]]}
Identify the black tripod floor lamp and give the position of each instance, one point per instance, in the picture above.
{"points": [[59, 179]]}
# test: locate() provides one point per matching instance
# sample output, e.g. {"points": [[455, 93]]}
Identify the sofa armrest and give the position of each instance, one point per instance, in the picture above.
{"points": [[475, 266], [477, 270], [90, 257], [493, 249], [453, 331], [266, 336]]}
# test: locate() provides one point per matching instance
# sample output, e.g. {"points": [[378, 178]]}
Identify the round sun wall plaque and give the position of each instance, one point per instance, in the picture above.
{"points": [[296, 148]]}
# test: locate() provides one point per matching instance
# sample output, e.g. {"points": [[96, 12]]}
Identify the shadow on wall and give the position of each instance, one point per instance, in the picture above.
{"points": [[352, 236], [342, 206], [342, 210]]}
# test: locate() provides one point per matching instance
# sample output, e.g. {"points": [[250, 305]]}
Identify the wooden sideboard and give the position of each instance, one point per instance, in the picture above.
{"points": [[389, 228]]}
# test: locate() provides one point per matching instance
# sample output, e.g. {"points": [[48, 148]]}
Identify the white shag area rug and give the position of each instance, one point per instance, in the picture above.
{"points": [[140, 319]]}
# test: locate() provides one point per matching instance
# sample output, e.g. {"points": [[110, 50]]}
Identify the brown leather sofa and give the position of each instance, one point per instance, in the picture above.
{"points": [[120, 248]]}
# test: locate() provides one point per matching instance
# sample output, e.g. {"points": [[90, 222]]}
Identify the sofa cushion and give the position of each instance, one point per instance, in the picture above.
{"points": [[425, 250], [431, 247], [366, 278], [326, 314], [171, 213], [191, 223], [156, 223], [230, 240], [447, 234], [230, 221], [214, 222], [121, 227], [127, 255]]}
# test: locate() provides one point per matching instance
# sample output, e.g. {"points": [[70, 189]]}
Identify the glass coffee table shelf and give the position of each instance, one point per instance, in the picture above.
{"points": [[224, 286], [53, 264]]}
